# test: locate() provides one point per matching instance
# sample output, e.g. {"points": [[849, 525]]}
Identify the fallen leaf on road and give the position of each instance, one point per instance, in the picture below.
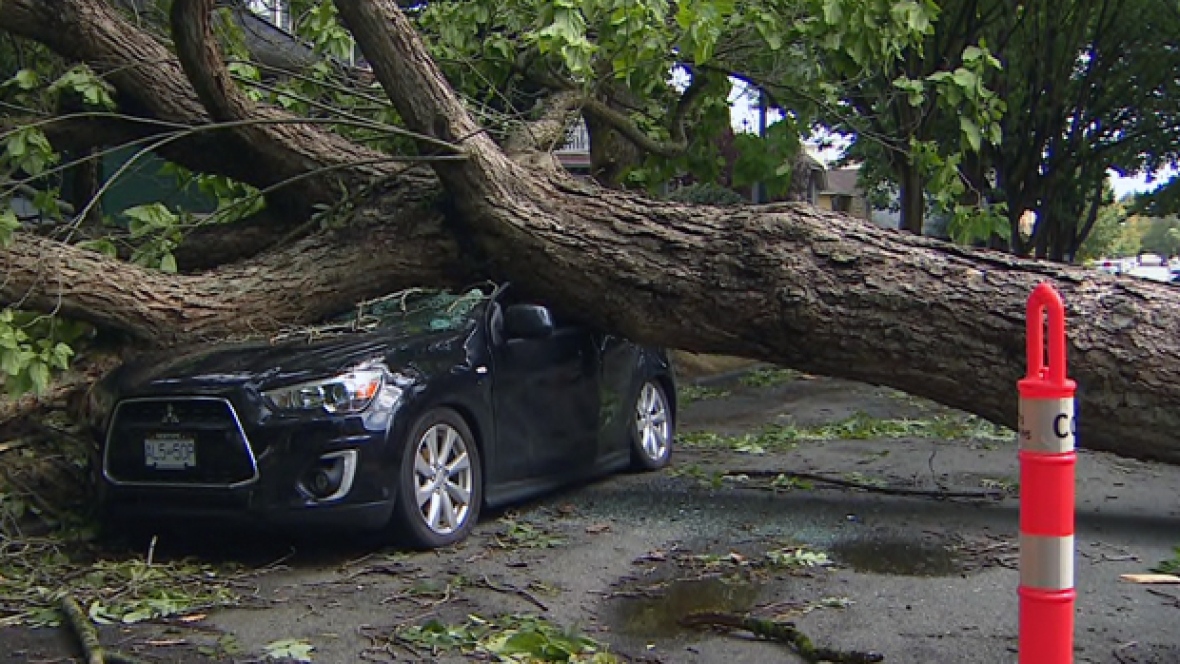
{"points": [[656, 556], [596, 528], [196, 617]]}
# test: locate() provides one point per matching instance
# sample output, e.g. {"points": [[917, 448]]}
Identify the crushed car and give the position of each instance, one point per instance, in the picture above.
{"points": [[409, 414]]}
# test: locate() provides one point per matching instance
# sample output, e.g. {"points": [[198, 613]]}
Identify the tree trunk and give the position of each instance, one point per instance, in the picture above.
{"points": [[913, 200]]}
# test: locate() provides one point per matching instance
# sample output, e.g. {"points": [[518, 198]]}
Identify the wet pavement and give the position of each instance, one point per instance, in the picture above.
{"points": [[918, 578]]}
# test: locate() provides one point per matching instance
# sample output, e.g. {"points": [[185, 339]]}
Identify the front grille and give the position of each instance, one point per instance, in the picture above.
{"points": [[222, 454]]}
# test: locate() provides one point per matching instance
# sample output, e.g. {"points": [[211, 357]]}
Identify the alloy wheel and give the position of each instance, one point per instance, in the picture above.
{"points": [[652, 423], [443, 479]]}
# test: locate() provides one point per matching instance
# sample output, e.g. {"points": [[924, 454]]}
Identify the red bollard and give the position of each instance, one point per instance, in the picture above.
{"points": [[1048, 429]]}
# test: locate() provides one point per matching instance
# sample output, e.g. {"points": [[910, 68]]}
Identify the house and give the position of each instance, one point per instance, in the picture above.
{"points": [[575, 154], [842, 193]]}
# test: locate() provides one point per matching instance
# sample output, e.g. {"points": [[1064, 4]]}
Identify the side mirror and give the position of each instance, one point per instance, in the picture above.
{"points": [[527, 321]]}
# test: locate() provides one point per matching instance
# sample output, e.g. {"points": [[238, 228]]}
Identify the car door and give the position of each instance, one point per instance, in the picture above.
{"points": [[617, 387], [545, 395]]}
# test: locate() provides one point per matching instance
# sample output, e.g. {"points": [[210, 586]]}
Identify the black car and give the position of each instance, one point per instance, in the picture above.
{"points": [[411, 412]]}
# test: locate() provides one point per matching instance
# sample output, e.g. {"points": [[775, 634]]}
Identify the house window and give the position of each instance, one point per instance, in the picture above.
{"points": [[278, 12]]}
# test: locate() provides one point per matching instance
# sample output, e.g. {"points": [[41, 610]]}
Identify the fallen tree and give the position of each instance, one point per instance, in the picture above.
{"points": [[786, 283]]}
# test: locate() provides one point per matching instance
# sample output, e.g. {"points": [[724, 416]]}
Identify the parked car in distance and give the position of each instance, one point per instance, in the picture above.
{"points": [[410, 413]]}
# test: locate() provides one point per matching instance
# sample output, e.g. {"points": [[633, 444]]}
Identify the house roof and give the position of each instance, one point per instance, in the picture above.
{"points": [[842, 181]]}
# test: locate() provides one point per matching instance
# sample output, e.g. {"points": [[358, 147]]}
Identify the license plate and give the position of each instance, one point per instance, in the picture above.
{"points": [[170, 451]]}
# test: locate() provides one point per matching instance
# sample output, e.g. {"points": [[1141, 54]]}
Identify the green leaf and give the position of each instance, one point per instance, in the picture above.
{"points": [[39, 375], [296, 649], [833, 12], [965, 79], [25, 79], [168, 263], [8, 224], [103, 246], [971, 133]]}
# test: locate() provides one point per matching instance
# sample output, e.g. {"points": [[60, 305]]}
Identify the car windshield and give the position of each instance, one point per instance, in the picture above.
{"points": [[413, 310]]}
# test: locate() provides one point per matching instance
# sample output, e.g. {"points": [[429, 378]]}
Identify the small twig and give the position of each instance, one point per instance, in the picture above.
{"points": [[514, 590], [1175, 601], [1117, 652], [13, 445], [869, 488], [151, 554], [780, 632]]}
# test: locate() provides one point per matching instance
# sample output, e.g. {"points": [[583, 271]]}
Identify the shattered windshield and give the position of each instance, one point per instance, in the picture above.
{"points": [[413, 310]]}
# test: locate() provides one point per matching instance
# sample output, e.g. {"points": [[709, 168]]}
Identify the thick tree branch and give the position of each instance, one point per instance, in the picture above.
{"points": [[152, 83], [299, 283], [625, 125], [813, 290], [549, 129]]}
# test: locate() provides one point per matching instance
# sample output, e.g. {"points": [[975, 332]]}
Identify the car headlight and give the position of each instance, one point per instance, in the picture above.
{"points": [[347, 393]]}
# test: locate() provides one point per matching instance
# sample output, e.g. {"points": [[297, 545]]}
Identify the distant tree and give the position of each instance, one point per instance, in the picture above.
{"points": [[1161, 236]]}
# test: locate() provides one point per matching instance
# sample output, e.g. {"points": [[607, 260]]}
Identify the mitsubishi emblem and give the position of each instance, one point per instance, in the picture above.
{"points": [[170, 416]]}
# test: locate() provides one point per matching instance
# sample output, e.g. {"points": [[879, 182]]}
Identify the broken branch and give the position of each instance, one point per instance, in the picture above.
{"points": [[780, 632]]}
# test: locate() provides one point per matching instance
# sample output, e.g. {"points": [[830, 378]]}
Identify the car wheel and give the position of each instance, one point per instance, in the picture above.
{"points": [[441, 483], [652, 430]]}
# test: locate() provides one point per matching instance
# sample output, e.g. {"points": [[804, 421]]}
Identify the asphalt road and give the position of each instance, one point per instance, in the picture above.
{"points": [[918, 579]]}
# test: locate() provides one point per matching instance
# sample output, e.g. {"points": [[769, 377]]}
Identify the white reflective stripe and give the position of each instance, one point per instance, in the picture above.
{"points": [[1046, 563], [1047, 425]]}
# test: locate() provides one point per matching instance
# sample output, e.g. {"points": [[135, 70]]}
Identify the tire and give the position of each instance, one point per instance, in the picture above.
{"points": [[439, 518], [652, 428]]}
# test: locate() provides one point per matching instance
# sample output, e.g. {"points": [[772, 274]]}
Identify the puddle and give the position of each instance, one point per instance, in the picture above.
{"points": [[659, 617], [895, 557]]}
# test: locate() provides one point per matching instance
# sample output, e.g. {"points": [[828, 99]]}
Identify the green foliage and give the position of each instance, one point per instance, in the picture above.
{"points": [[706, 193], [690, 393], [235, 200], [33, 580], [32, 346], [1160, 236], [508, 638], [524, 535], [27, 149], [159, 230], [289, 650], [770, 377], [1169, 566], [767, 159], [81, 80], [797, 557], [1111, 235], [781, 437]]}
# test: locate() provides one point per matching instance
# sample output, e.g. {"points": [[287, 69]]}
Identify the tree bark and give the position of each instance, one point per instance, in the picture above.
{"points": [[789, 284], [305, 281], [913, 202]]}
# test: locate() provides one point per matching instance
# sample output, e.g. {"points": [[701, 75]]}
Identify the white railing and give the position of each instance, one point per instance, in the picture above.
{"points": [[577, 139]]}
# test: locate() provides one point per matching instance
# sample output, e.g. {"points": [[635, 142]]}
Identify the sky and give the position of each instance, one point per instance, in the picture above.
{"points": [[744, 117]]}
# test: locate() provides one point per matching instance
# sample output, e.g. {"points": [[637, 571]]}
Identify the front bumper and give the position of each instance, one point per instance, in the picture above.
{"points": [[182, 508], [249, 471]]}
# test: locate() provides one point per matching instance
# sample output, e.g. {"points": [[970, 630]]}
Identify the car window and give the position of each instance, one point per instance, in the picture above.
{"points": [[415, 310]]}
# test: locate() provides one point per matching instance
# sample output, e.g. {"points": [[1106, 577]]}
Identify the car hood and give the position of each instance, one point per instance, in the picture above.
{"points": [[261, 364]]}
